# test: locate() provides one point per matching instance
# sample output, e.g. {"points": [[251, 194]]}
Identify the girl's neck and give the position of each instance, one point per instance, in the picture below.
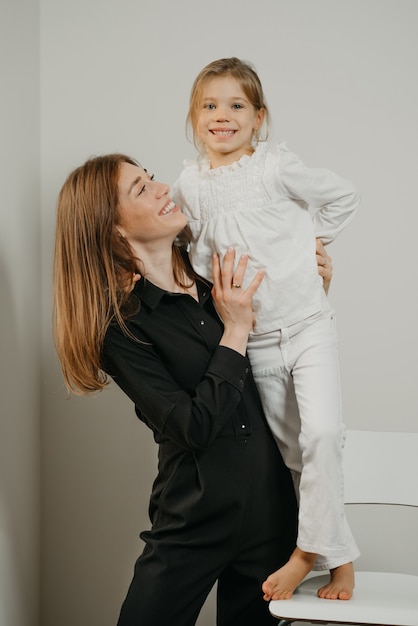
{"points": [[217, 159]]}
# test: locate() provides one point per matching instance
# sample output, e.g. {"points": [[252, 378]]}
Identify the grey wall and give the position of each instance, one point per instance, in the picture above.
{"points": [[340, 78], [20, 302]]}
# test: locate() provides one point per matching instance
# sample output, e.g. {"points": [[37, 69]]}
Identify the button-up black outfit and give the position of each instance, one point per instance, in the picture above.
{"points": [[222, 506]]}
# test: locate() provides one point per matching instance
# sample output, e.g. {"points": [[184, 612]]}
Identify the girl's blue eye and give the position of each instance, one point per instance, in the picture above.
{"points": [[237, 106], [209, 106]]}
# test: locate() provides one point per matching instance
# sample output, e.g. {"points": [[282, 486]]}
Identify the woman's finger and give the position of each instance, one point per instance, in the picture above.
{"points": [[238, 276], [227, 269], [216, 270], [322, 257], [255, 283], [324, 263]]}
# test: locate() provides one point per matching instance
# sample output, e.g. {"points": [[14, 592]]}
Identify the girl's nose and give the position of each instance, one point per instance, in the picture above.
{"points": [[221, 115]]}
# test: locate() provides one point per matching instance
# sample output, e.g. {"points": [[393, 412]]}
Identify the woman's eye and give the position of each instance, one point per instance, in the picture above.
{"points": [[145, 186]]}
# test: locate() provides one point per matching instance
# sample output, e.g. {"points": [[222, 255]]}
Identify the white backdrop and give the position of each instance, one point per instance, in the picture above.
{"points": [[340, 80]]}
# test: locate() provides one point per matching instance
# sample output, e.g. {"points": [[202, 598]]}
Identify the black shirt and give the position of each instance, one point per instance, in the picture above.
{"points": [[217, 457], [185, 386]]}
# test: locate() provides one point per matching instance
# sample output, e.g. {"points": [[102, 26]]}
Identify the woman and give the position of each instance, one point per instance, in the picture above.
{"points": [[129, 305]]}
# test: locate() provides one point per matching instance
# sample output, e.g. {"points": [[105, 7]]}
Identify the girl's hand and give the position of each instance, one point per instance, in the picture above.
{"points": [[233, 303], [324, 264]]}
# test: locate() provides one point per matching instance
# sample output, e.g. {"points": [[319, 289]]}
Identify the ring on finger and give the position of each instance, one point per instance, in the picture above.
{"points": [[236, 285]]}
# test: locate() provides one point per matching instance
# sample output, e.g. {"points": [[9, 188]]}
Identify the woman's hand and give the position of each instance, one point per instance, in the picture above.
{"points": [[324, 264], [233, 303]]}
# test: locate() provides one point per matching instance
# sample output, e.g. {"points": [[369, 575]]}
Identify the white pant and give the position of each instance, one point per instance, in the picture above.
{"points": [[297, 373]]}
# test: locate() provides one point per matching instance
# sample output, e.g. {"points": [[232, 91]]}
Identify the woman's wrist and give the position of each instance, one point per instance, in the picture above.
{"points": [[236, 340]]}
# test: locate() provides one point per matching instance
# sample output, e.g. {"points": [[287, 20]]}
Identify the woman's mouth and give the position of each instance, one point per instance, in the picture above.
{"points": [[168, 209]]}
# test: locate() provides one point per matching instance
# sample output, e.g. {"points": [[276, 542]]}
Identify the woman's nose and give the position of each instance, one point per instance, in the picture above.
{"points": [[161, 188]]}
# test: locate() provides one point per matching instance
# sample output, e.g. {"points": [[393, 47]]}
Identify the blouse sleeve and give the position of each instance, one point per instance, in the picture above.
{"points": [[335, 199], [191, 419]]}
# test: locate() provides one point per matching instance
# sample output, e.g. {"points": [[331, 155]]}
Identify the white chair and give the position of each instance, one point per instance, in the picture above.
{"points": [[381, 468]]}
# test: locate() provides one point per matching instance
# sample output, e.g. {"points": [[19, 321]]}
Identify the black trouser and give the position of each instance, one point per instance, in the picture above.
{"points": [[238, 545]]}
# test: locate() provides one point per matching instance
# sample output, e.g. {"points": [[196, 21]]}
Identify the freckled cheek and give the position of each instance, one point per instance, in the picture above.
{"points": [[123, 221], [126, 214], [132, 220], [132, 223]]}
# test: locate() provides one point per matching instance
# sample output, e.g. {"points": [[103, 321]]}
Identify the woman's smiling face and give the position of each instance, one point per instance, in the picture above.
{"points": [[147, 214]]}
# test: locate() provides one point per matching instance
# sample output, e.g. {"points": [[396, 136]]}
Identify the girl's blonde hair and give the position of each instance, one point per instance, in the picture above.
{"points": [[93, 270], [245, 74]]}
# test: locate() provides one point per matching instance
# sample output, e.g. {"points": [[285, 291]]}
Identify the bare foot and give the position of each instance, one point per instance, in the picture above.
{"points": [[341, 585], [281, 584]]}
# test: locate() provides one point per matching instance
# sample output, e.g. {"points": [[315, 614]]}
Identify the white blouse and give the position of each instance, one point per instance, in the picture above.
{"points": [[270, 206]]}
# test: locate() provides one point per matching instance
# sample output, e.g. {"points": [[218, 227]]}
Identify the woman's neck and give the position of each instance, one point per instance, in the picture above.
{"points": [[157, 267]]}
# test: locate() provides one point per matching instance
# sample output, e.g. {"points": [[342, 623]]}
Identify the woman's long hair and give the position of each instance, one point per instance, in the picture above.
{"points": [[93, 270]]}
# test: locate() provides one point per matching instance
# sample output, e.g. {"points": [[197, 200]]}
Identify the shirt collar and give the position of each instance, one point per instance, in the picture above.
{"points": [[151, 295]]}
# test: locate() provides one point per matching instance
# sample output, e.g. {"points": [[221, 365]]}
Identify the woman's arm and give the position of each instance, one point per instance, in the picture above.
{"points": [[190, 414], [190, 418], [324, 262]]}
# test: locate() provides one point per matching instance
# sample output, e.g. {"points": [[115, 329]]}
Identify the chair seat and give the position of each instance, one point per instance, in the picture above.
{"points": [[379, 598]]}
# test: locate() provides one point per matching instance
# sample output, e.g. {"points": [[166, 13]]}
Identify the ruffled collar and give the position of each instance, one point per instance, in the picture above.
{"points": [[203, 163]]}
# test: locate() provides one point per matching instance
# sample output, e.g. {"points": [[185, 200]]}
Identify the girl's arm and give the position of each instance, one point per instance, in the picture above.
{"points": [[335, 199]]}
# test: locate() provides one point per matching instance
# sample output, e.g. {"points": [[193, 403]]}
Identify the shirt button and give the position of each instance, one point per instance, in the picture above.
{"points": [[242, 425], [202, 322]]}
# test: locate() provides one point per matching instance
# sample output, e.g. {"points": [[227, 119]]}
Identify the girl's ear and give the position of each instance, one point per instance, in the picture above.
{"points": [[259, 119]]}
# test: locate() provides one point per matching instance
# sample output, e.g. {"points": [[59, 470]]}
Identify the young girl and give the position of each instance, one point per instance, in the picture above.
{"points": [[256, 197]]}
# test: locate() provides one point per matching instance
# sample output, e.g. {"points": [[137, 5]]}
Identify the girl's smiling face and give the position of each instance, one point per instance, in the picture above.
{"points": [[226, 121]]}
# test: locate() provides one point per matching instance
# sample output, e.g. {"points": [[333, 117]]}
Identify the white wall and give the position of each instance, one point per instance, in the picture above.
{"points": [[20, 301], [340, 78]]}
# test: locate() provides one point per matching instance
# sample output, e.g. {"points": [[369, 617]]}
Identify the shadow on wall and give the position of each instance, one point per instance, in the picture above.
{"points": [[12, 569]]}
